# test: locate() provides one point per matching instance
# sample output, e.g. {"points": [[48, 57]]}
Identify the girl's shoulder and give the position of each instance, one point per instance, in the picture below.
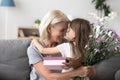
{"points": [[64, 45], [67, 43]]}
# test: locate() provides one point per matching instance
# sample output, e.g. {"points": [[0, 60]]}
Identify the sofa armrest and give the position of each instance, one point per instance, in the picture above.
{"points": [[107, 68]]}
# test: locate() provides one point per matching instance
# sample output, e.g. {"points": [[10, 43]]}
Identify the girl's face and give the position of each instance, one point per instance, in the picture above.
{"points": [[70, 34], [58, 31]]}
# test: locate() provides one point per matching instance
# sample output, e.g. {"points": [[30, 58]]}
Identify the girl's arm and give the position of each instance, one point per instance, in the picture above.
{"points": [[53, 50]]}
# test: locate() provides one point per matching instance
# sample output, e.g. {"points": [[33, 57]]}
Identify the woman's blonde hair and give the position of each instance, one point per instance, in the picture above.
{"points": [[51, 18]]}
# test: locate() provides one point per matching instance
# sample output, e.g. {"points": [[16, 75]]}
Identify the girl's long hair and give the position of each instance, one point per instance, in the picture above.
{"points": [[82, 31]]}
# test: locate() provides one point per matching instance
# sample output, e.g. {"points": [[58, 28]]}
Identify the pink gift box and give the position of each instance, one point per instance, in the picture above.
{"points": [[53, 63]]}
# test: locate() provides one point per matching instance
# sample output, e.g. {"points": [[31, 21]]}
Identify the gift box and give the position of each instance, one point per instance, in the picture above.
{"points": [[53, 63]]}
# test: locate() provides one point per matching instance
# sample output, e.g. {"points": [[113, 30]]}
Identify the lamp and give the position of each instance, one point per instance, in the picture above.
{"points": [[7, 3]]}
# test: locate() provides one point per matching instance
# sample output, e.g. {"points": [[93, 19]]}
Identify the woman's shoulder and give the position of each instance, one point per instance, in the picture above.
{"points": [[39, 40], [33, 54], [32, 47]]}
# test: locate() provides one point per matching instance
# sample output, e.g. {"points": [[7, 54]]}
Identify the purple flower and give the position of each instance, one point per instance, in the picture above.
{"points": [[98, 40], [118, 38], [91, 23], [118, 47], [115, 34], [97, 50], [90, 36]]}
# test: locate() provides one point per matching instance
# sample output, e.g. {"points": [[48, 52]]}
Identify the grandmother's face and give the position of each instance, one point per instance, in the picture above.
{"points": [[58, 31]]}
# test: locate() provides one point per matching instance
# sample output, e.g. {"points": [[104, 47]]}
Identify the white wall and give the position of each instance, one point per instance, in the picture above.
{"points": [[26, 11]]}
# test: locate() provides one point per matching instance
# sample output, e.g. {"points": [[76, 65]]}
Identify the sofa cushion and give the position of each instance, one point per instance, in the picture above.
{"points": [[106, 69], [14, 63]]}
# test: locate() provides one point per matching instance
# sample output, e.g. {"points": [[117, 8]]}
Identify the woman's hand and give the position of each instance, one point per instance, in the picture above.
{"points": [[92, 71], [85, 71], [72, 63]]}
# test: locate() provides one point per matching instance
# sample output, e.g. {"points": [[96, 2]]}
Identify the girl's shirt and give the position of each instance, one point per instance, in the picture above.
{"points": [[65, 51]]}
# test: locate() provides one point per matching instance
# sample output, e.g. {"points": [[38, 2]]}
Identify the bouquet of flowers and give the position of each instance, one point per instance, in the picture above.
{"points": [[103, 44]]}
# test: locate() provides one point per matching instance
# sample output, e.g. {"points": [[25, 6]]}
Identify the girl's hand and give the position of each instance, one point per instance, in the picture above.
{"points": [[34, 41], [72, 63]]}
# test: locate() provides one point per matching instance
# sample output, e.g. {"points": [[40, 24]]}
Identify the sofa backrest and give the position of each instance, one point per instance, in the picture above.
{"points": [[14, 64]]}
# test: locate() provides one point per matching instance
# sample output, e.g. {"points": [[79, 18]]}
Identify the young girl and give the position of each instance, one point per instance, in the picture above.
{"points": [[78, 36]]}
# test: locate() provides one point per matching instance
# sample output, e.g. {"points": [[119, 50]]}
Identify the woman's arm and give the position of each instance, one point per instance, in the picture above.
{"points": [[41, 69], [36, 60], [43, 50]]}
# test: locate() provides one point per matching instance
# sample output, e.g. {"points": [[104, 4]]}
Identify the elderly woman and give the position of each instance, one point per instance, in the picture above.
{"points": [[52, 31]]}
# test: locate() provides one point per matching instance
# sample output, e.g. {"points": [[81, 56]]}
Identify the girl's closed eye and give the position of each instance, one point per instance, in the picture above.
{"points": [[70, 34]]}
